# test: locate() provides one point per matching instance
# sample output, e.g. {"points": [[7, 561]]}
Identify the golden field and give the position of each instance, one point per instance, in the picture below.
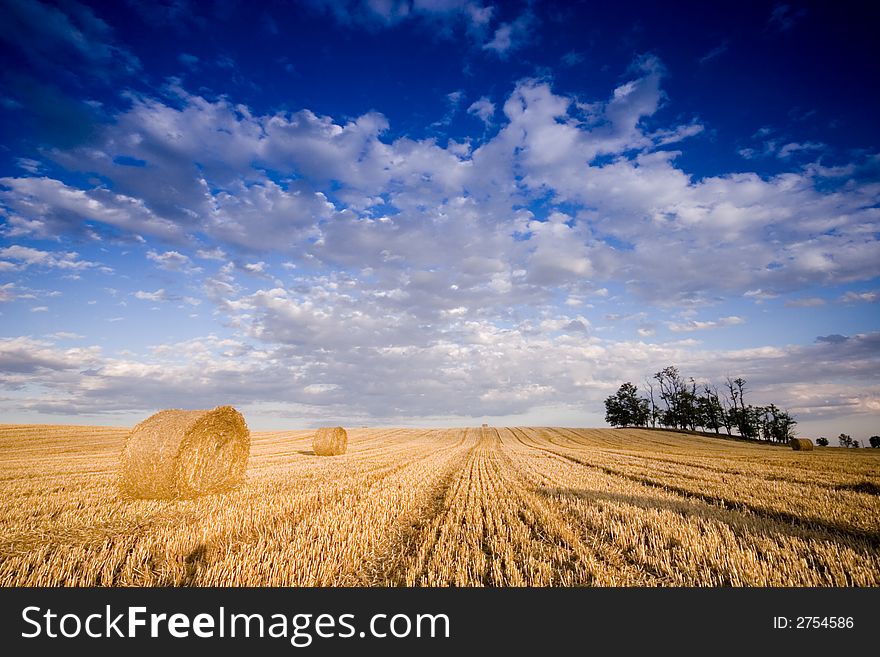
{"points": [[448, 507]]}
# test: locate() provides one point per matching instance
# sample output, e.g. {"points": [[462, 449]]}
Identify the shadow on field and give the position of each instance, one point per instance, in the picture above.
{"points": [[195, 561], [306, 452], [777, 522], [867, 487]]}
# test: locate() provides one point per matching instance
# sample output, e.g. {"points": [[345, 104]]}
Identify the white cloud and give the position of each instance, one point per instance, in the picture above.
{"points": [[170, 260], [267, 216], [863, 297], [467, 267], [7, 292], [471, 369], [211, 254], [559, 254], [158, 295], [29, 165], [21, 257], [794, 147], [760, 295], [510, 36], [698, 325], [48, 208], [66, 335], [430, 196], [483, 109], [393, 202], [21, 356]]}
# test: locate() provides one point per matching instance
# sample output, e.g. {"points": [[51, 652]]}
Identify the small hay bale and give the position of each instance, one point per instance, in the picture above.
{"points": [[330, 441], [485, 426], [801, 444], [178, 454]]}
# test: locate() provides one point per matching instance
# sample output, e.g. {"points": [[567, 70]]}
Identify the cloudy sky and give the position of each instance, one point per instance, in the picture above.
{"points": [[433, 212]]}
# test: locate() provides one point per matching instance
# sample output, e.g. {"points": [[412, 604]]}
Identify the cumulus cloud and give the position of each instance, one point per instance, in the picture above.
{"points": [[860, 297], [170, 260], [211, 254], [48, 208], [470, 267], [22, 257], [24, 355], [483, 109], [364, 201], [471, 369]]}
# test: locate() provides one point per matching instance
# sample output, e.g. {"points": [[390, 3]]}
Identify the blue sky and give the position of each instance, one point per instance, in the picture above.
{"points": [[433, 212]]}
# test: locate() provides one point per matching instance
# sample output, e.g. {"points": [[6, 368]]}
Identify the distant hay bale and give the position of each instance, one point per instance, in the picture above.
{"points": [[801, 444], [178, 454], [485, 426], [330, 441]]}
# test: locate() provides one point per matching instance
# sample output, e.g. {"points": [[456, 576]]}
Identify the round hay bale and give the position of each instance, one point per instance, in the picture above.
{"points": [[801, 444], [330, 441], [175, 453]]}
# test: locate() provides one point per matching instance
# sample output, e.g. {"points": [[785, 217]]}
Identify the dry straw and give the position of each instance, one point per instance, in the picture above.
{"points": [[177, 453], [801, 444], [330, 441]]}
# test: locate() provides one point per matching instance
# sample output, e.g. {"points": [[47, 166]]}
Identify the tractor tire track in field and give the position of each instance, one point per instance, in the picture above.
{"points": [[870, 538], [448, 507], [622, 567], [782, 521], [734, 465], [681, 540], [491, 529], [333, 541]]}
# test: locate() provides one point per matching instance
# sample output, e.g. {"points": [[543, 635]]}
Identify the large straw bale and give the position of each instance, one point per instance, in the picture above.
{"points": [[178, 454], [330, 441], [801, 444]]}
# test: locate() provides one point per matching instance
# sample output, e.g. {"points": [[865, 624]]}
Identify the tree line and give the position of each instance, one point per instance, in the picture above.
{"points": [[845, 440], [671, 401]]}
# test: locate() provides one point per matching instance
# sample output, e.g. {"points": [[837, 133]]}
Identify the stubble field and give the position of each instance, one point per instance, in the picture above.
{"points": [[448, 507]]}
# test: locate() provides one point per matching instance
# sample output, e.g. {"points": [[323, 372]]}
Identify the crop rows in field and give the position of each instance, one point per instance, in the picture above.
{"points": [[463, 507]]}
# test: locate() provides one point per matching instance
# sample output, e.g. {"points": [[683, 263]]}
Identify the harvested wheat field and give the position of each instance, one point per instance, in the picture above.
{"points": [[463, 507]]}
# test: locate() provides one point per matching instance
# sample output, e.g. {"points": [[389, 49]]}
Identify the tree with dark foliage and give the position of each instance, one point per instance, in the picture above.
{"points": [[682, 406], [626, 409]]}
